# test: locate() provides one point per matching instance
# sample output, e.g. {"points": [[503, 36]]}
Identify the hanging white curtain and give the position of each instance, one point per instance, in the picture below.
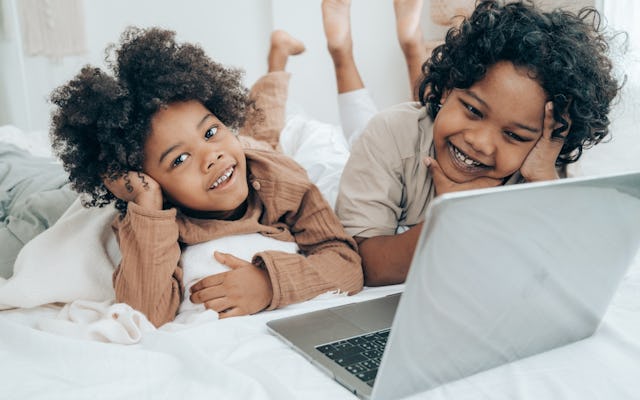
{"points": [[52, 28]]}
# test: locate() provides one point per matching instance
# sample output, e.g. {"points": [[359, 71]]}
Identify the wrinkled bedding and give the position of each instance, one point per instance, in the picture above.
{"points": [[34, 192]]}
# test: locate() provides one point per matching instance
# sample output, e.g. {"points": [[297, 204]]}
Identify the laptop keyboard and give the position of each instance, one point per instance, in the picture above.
{"points": [[360, 355]]}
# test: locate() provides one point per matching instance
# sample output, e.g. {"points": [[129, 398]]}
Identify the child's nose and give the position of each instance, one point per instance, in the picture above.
{"points": [[210, 159], [482, 141]]}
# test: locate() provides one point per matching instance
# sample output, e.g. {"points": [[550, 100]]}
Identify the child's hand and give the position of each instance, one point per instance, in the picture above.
{"points": [[445, 185], [540, 164], [246, 289], [137, 187]]}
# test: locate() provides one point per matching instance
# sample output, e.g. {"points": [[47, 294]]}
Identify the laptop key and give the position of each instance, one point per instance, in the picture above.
{"points": [[357, 340], [325, 348], [367, 376], [373, 354], [335, 354], [350, 359], [357, 368]]}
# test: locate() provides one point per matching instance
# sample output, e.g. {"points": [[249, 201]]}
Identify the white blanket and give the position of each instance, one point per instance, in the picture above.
{"points": [[237, 358], [72, 260]]}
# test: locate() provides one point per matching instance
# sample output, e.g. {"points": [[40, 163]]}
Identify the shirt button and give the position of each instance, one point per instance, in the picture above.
{"points": [[256, 185]]}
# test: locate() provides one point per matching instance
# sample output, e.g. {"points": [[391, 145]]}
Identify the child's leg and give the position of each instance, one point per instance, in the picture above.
{"points": [[282, 47], [356, 109], [447, 13], [411, 39], [354, 102], [270, 95], [337, 30]]}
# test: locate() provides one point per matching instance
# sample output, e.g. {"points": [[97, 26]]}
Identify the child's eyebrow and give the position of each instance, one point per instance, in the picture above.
{"points": [[166, 152], [469, 92], [202, 121], [527, 128]]}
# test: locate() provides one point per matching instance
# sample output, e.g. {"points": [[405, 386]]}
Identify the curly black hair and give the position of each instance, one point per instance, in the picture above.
{"points": [[100, 122], [565, 52]]}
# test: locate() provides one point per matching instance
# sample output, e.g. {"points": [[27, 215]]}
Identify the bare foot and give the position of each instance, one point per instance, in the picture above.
{"points": [[450, 13], [408, 29], [336, 20], [283, 45], [411, 39]]}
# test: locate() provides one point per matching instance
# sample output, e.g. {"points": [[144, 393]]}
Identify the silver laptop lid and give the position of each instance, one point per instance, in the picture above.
{"points": [[504, 273]]}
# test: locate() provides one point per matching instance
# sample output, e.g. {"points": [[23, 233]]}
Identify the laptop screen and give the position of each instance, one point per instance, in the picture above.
{"points": [[505, 273]]}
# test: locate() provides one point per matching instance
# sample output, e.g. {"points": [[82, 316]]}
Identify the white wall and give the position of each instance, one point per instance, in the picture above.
{"points": [[622, 151], [232, 32]]}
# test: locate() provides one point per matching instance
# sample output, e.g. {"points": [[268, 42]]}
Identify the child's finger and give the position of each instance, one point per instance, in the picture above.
{"points": [[207, 293], [230, 260], [440, 180], [549, 122], [209, 281], [552, 129], [232, 312], [218, 305]]}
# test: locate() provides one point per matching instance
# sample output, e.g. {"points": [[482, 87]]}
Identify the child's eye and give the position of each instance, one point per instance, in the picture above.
{"points": [[472, 109], [516, 137], [179, 160], [211, 132]]}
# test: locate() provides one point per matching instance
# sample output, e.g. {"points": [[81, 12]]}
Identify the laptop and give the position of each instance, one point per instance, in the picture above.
{"points": [[498, 275]]}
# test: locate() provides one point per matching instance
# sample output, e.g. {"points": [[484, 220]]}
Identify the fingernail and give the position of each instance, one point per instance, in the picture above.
{"points": [[426, 161]]}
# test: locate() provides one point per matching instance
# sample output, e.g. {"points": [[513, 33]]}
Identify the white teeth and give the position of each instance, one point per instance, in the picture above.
{"points": [[463, 158], [223, 178]]}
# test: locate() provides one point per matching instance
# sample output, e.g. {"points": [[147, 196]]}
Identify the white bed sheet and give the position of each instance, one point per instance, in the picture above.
{"points": [[238, 358], [233, 358]]}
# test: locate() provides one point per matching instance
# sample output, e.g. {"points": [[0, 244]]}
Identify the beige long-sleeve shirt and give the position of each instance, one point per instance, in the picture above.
{"points": [[282, 204], [385, 184]]}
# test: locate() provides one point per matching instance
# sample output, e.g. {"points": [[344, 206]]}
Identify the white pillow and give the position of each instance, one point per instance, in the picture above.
{"points": [[198, 262]]}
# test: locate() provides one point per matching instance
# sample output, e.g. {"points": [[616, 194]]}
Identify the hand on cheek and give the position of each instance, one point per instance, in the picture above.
{"points": [[244, 290], [136, 187], [445, 185], [540, 164]]}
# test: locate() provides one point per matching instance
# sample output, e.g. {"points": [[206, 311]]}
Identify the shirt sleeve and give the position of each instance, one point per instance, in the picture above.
{"points": [[148, 277], [369, 200], [329, 262]]}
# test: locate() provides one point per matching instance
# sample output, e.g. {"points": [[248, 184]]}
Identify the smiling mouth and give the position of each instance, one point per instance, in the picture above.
{"points": [[465, 159], [223, 178]]}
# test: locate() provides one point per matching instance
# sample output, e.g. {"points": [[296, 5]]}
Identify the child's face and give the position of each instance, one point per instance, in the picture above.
{"points": [[198, 161], [489, 129]]}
